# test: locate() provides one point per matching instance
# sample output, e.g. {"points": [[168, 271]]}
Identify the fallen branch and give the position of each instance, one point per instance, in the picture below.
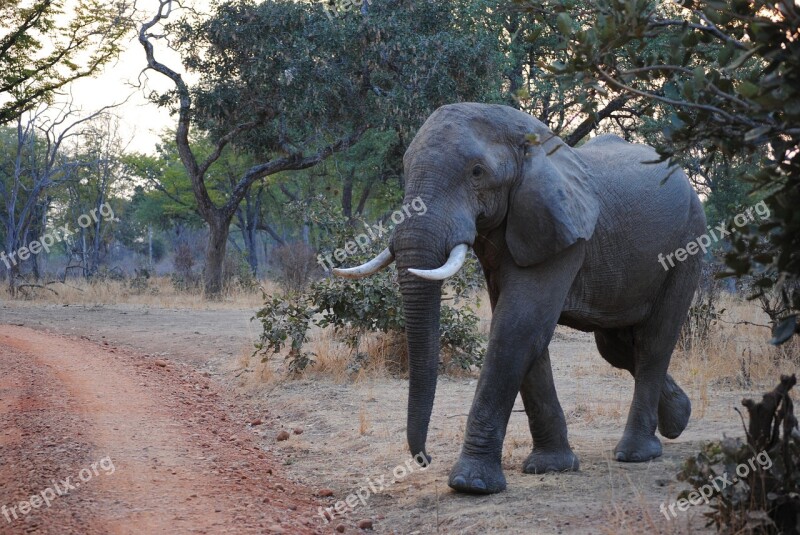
{"points": [[43, 287]]}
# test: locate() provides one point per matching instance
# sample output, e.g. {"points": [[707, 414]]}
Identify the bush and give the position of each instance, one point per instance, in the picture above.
{"points": [[703, 314], [184, 278], [237, 273], [297, 266], [354, 308], [285, 321], [140, 283], [765, 500]]}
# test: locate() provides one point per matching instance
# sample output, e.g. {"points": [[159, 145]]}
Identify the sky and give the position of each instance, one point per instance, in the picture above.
{"points": [[141, 122]]}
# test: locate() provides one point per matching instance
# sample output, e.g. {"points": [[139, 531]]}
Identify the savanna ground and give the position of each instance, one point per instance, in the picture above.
{"points": [[165, 384]]}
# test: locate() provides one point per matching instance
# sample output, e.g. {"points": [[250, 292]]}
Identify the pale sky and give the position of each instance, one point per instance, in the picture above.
{"points": [[141, 121]]}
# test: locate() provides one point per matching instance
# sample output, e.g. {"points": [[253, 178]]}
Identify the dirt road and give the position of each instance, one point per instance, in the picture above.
{"points": [[81, 383], [120, 442]]}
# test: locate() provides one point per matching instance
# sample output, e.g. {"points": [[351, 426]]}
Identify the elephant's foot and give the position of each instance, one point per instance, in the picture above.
{"points": [[477, 476], [674, 409], [541, 461], [637, 449]]}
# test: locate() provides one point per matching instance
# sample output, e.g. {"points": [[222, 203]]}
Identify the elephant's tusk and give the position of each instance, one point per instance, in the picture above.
{"points": [[457, 257], [373, 266]]}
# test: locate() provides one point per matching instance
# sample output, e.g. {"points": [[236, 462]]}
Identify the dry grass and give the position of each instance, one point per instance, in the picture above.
{"points": [[735, 354], [156, 291]]}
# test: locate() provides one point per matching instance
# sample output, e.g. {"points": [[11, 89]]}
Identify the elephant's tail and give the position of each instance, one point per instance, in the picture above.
{"points": [[674, 409]]}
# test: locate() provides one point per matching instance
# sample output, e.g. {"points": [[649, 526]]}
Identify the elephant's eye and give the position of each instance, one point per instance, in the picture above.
{"points": [[477, 171]]}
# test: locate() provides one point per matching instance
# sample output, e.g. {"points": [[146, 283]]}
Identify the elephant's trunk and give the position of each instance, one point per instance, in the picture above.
{"points": [[421, 301], [419, 244], [421, 304]]}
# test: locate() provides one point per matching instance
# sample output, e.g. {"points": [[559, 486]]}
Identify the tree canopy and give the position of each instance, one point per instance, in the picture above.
{"points": [[291, 87], [728, 82], [46, 44]]}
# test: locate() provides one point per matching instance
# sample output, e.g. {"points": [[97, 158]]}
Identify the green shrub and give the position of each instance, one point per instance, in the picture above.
{"points": [[354, 308], [285, 321]]}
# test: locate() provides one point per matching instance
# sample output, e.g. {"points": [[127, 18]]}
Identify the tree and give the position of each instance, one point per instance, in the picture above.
{"points": [[290, 86], [730, 84], [42, 49], [97, 182], [35, 160], [531, 42]]}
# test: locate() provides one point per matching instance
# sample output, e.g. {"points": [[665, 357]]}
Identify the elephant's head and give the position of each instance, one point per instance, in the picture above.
{"points": [[476, 167]]}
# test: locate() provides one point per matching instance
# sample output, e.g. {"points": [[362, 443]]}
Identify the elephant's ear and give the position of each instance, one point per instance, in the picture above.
{"points": [[552, 207]]}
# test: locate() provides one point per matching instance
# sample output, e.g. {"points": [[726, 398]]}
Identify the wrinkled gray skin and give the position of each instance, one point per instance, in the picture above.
{"points": [[569, 237]]}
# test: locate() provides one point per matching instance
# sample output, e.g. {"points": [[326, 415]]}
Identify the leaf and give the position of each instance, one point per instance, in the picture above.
{"points": [[564, 23], [747, 89], [699, 78], [738, 62], [532, 139], [784, 330], [689, 39], [688, 90]]}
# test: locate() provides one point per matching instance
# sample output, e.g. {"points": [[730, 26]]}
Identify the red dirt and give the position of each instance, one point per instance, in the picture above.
{"points": [[184, 459]]}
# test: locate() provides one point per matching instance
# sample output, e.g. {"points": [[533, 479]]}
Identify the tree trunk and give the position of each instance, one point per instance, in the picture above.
{"points": [[218, 230], [249, 235], [11, 261], [347, 196]]}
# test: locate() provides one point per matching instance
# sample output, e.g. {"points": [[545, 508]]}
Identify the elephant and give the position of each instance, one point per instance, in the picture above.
{"points": [[567, 236]]}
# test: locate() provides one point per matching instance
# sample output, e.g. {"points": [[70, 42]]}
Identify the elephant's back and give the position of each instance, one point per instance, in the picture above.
{"points": [[634, 187], [642, 216]]}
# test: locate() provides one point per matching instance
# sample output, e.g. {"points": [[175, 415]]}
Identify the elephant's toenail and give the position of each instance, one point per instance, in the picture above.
{"points": [[478, 484], [459, 481], [620, 456]]}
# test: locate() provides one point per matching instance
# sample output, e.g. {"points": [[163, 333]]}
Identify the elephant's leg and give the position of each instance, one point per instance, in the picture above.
{"points": [[525, 315], [551, 451], [653, 342], [674, 407]]}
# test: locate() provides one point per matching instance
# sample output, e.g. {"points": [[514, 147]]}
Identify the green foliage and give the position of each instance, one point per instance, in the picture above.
{"points": [[459, 328], [164, 196], [285, 320], [730, 83], [46, 44], [354, 308], [317, 79]]}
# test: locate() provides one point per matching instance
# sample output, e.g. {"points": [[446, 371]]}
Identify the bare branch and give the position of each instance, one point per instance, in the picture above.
{"points": [[709, 27], [292, 162], [677, 103]]}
